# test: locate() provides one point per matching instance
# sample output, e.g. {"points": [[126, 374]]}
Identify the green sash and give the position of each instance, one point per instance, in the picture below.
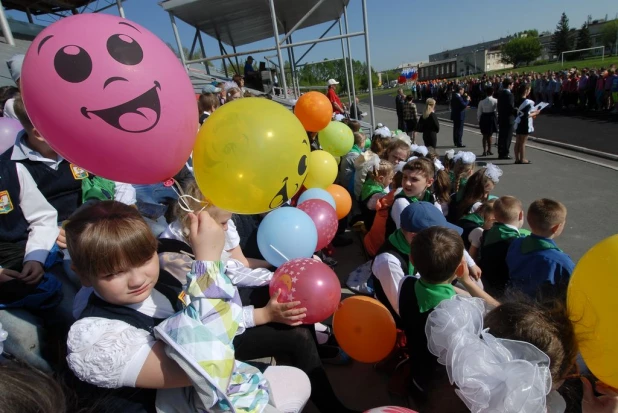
{"points": [[370, 187], [500, 232], [533, 243], [476, 218], [399, 241], [356, 149], [430, 295], [97, 188], [427, 197]]}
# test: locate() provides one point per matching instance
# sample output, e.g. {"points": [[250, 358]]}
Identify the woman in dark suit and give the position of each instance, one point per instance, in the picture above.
{"points": [[429, 125]]}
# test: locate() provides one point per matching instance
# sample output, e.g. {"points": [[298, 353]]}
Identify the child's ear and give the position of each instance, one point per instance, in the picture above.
{"points": [[521, 216], [461, 268], [430, 182], [556, 228]]}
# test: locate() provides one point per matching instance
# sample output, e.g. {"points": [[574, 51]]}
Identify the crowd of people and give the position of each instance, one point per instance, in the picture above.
{"points": [[586, 89], [94, 273]]}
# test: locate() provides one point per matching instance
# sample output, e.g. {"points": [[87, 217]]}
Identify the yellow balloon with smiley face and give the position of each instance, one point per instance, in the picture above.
{"points": [[250, 156]]}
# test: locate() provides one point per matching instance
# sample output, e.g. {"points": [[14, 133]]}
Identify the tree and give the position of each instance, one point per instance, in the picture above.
{"points": [[561, 40], [609, 35], [583, 40], [521, 50]]}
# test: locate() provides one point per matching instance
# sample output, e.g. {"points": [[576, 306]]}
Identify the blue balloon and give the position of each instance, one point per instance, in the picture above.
{"points": [[317, 193], [286, 233]]}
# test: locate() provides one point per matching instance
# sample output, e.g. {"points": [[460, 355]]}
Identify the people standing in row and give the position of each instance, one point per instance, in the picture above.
{"points": [[459, 104]]}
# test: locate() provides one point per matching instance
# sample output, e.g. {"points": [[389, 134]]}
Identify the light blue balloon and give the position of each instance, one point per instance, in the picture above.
{"points": [[317, 193], [286, 233]]}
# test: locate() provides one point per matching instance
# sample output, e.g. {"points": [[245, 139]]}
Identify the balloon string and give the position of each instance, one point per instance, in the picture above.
{"points": [[183, 204], [280, 253]]}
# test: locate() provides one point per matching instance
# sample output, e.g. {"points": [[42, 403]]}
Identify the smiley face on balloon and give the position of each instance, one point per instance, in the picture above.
{"points": [[108, 95]]}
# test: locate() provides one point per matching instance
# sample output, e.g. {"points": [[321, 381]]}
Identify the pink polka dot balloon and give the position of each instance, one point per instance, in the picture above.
{"points": [[312, 283], [324, 217]]}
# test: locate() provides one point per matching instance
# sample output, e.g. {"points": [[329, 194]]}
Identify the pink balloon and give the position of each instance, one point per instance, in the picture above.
{"points": [[312, 283], [9, 129], [391, 409], [324, 217], [111, 97]]}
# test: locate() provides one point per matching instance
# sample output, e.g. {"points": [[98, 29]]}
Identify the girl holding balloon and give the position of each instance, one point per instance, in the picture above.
{"points": [[273, 329]]}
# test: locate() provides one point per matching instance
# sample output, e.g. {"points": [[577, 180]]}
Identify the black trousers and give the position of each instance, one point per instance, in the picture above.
{"points": [[296, 346], [505, 135], [458, 126]]}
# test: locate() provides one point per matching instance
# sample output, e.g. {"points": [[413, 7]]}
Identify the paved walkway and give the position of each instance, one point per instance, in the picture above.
{"points": [[598, 132]]}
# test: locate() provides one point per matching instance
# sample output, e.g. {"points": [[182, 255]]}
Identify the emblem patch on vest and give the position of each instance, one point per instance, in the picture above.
{"points": [[6, 205], [78, 173]]}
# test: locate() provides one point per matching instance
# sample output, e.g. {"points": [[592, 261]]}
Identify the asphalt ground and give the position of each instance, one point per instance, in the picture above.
{"points": [[591, 130]]}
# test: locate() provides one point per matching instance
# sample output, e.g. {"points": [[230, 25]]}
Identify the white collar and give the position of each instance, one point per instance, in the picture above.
{"points": [[512, 227], [22, 151]]}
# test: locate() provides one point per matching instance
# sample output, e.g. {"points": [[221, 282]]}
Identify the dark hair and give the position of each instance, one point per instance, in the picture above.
{"points": [[379, 144], [473, 192], [23, 389], [6, 93], [409, 98], [489, 91], [354, 125], [22, 115], [506, 83], [545, 325], [436, 252], [108, 237], [208, 101]]}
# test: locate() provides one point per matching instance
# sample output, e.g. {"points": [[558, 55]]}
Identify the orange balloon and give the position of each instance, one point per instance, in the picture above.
{"points": [[343, 200], [364, 329], [314, 111]]}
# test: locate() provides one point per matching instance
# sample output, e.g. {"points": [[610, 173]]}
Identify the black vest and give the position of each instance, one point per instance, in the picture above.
{"points": [[467, 226], [13, 225], [424, 365], [493, 264], [61, 189], [130, 399], [404, 261]]}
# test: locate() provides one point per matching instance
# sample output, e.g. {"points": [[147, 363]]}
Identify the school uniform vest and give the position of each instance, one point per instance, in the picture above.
{"points": [[13, 225], [493, 264], [130, 399], [404, 261], [60, 187], [468, 226], [424, 365]]}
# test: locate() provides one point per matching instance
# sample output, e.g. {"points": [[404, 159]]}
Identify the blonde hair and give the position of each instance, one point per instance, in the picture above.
{"points": [[459, 170], [507, 209], [384, 168], [429, 104], [108, 237]]}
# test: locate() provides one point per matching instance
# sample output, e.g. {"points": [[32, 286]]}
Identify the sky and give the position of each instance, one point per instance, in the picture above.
{"points": [[399, 30]]}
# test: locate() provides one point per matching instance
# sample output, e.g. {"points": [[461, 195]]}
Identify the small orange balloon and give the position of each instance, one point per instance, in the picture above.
{"points": [[343, 200], [314, 111], [364, 329]]}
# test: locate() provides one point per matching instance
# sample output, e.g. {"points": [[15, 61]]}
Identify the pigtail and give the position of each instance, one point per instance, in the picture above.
{"points": [[442, 186]]}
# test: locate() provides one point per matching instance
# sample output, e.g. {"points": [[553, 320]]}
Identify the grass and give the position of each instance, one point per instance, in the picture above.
{"points": [[557, 66]]}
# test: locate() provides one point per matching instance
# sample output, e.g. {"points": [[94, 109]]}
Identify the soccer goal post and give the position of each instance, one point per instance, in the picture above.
{"points": [[581, 50]]}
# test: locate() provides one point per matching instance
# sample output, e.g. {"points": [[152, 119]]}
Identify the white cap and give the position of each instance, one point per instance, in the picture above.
{"points": [[332, 82]]}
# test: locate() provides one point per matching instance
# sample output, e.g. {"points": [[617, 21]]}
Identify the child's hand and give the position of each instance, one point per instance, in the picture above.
{"points": [[475, 272], [7, 275], [608, 403], [62, 239], [285, 313], [206, 236], [32, 272]]}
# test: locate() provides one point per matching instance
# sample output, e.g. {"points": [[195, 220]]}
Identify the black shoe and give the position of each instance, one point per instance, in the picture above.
{"points": [[505, 157], [342, 241], [461, 146]]}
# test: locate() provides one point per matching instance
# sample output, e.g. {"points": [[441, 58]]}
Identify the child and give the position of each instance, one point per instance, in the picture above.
{"points": [[463, 167], [133, 298], [346, 168], [374, 238], [368, 160], [477, 190], [209, 102], [473, 225], [375, 187], [437, 254], [536, 265], [509, 218], [34, 292]]}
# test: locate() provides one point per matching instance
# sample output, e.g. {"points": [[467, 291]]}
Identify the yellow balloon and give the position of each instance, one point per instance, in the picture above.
{"points": [[250, 156], [322, 170], [591, 301]]}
